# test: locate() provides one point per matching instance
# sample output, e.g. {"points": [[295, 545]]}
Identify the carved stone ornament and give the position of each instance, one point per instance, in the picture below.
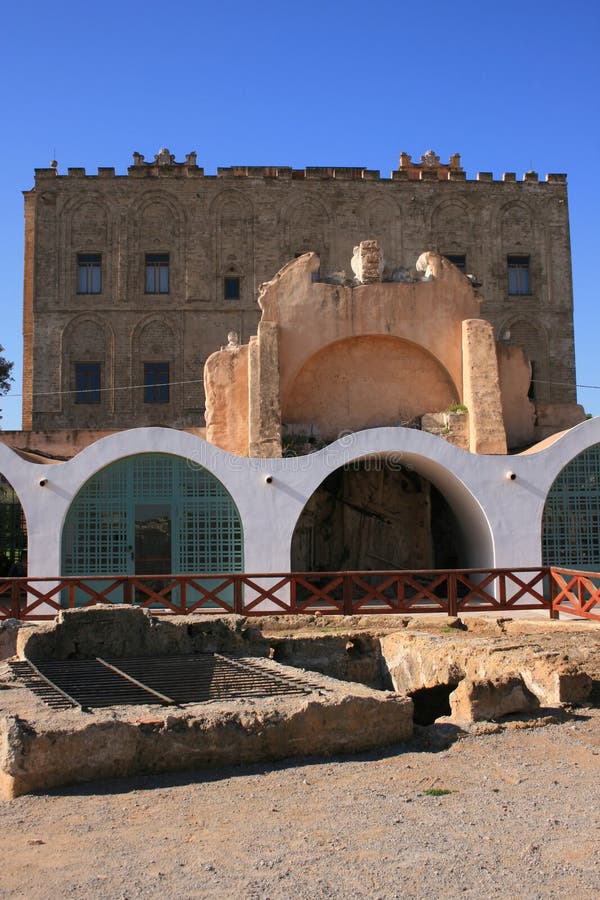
{"points": [[430, 159], [233, 340], [164, 158]]}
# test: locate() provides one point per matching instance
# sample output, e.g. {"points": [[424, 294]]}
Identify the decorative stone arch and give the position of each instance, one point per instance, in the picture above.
{"points": [[149, 198], [532, 337], [230, 196], [232, 215], [85, 232], [515, 219], [333, 390], [382, 222], [86, 338], [307, 225], [156, 339], [156, 233], [452, 229], [153, 513]]}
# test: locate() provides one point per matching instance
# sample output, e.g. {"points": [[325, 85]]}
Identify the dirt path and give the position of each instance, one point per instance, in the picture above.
{"points": [[521, 820]]}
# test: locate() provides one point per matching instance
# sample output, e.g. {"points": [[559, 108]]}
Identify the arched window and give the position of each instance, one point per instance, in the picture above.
{"points": [[571, 521], [152, 514]]}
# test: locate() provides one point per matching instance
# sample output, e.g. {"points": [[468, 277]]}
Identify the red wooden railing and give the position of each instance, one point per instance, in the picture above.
{"points": [[451, 592]]}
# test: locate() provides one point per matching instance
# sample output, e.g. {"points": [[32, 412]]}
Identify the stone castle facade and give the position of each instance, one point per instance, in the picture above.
{"points": [[132, 281]]}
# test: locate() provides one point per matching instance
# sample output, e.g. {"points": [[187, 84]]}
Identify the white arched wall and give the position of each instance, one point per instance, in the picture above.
{"points": [[500, 517]]}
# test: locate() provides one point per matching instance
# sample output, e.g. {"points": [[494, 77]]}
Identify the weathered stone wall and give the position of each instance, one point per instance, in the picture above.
{"points": [[481, 388], [247, 222], [518, 410]]}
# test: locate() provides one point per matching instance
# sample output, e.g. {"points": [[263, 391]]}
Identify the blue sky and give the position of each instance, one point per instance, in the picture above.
{"points": [[510, 86]]}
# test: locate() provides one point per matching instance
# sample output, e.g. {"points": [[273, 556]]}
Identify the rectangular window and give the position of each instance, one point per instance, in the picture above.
{"points": [[87, 382], [156, 382], [518, 275], [157, 273], [459, 260], [231, 287], [89, 273]]}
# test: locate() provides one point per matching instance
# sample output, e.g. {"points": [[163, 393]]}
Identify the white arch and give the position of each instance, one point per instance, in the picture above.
{"points": [[500, 516]]}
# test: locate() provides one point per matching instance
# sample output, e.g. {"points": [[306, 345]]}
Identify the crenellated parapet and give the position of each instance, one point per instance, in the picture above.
{"points": [[428, 169]]}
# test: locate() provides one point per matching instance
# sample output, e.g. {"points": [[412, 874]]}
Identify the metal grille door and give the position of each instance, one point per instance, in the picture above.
{"points": [[201, 526], [571, 522]]}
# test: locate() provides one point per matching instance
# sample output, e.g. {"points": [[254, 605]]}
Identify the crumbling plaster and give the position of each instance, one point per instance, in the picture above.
{"points": [[338, 357]]}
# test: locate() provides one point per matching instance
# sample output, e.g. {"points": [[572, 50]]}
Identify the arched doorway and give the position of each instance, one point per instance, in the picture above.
{"points": [[13, 527], [571, 519], [375, 514], [152, 514]]}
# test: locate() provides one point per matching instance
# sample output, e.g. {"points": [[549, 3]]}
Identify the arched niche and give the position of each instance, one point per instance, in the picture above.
{"points": [[87, 341], [158, 224], [89, 226], [516, 227], [438, 519], [366, 382], [307, 228], [376, 514], [382, 223], [452, 228], [154, 348]]}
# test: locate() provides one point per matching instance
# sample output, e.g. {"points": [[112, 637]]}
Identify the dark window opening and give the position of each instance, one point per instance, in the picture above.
{"points": [[89, 273], [156, 382], [87, 383], [157, 273], [458, 260], [231, 287], [518, 275]]}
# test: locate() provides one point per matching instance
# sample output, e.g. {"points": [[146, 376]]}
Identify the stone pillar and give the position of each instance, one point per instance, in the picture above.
{"points": [[481, 388], [226, 388], [367, 262], [264, 403]]}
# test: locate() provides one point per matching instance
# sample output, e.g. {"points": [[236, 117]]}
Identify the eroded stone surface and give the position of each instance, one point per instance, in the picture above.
{"points": [[494, 666], [497, 666], [41, 748]]}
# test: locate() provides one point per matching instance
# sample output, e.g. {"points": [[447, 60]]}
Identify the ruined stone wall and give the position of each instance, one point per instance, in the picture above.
{"points": [[246, 222]]}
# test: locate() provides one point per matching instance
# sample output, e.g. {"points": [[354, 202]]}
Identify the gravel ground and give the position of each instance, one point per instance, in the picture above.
{"points": [[519, 819]]}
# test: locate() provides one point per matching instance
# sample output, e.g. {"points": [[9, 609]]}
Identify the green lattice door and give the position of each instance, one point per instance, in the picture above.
{"points": [[154, 514], [571, 521]]}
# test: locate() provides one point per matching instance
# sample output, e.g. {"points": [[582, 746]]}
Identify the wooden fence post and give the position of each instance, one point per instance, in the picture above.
{"points": [[452, 595], [238, 598], [347, 593]]}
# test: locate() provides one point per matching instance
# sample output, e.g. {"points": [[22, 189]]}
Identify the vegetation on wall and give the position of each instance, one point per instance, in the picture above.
{"points": [[5, 376]]}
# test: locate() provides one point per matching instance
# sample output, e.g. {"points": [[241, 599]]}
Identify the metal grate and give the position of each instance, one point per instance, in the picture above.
{"points": [[571, 522], [171, 680], [204, 525]]}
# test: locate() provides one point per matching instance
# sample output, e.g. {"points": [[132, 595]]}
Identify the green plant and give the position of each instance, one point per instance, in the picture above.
{"points": [[458, 408], [437, 792]]}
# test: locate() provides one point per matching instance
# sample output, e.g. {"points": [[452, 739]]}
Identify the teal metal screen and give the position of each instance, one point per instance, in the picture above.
{"points": [[571, 522], [13, 529], [198, 517]]}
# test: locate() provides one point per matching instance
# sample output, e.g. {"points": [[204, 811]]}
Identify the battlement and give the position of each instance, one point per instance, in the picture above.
{"points": [[428, 169]]}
